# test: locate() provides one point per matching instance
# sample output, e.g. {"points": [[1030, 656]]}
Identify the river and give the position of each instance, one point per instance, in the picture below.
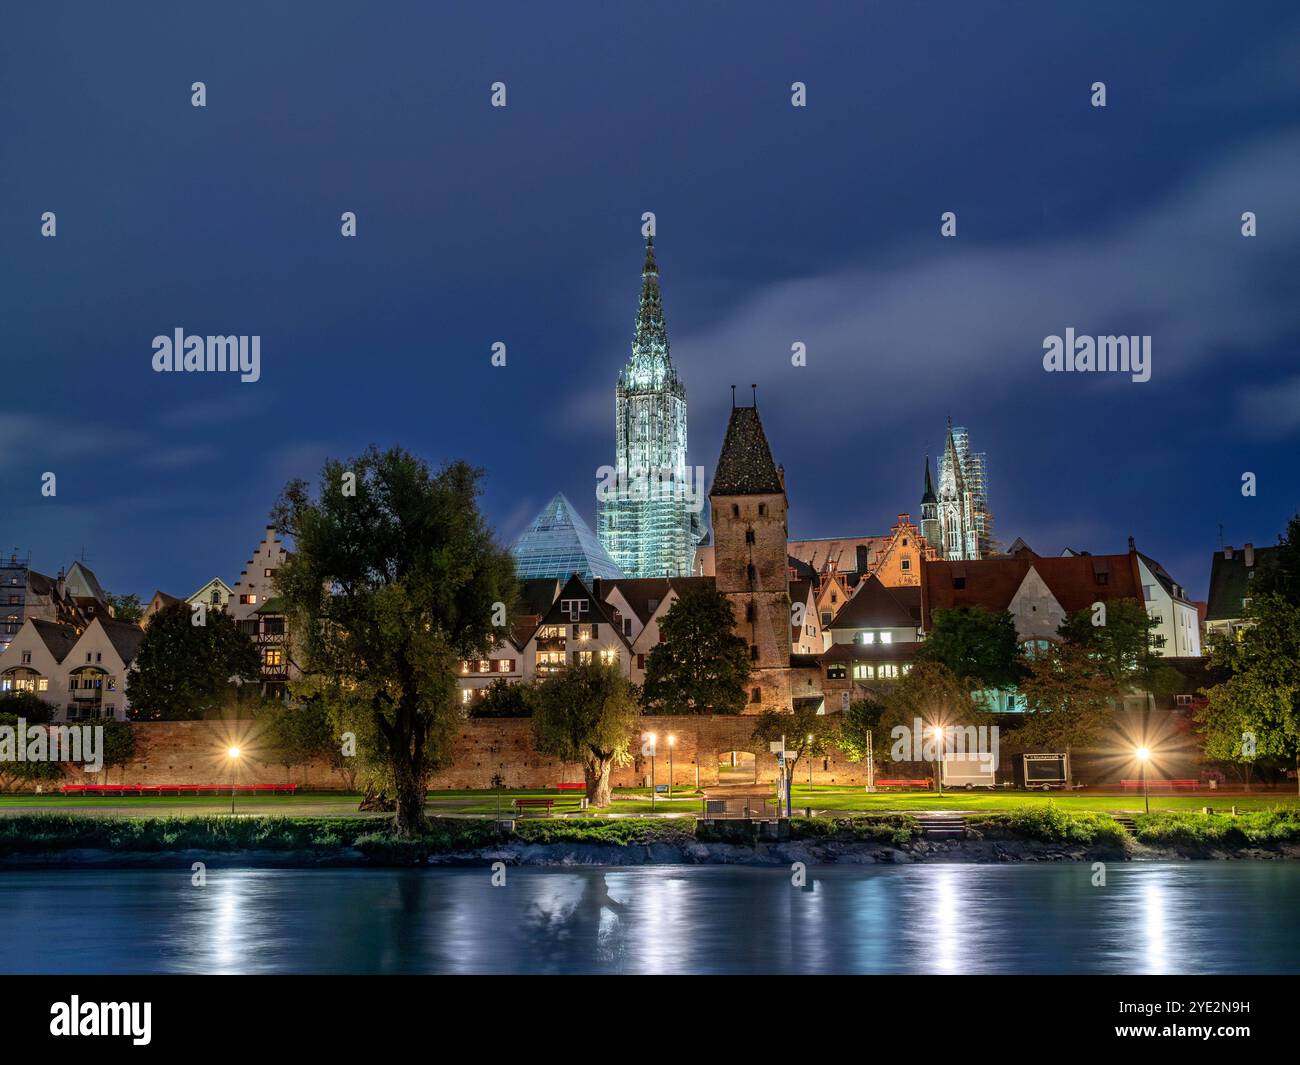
{"points": [[1198, 917]]}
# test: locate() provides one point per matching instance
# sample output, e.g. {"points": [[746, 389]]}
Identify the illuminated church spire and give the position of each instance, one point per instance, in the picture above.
{"points": [[646, 520]]}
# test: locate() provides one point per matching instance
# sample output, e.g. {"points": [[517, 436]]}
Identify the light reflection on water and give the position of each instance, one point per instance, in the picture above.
{"points": [[1151, 918]]}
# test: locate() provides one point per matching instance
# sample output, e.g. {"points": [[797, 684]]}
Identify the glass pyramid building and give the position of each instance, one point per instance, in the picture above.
{"points": [[558, 543]]}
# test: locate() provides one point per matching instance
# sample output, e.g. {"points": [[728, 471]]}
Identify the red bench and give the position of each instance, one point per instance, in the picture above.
{"points": [[570, 786], [902, 783], [531, 804], [178, 789], [1136, 785]]}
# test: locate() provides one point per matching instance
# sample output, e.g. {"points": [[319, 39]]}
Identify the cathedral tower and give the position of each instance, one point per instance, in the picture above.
{"points": [[930, 528], [751, 564], [649, 517]]}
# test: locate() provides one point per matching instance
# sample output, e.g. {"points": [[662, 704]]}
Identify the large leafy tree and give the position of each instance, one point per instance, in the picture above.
{"points": [[1069, 700], [394, 578], [929, 695], [977, 646], [504, 699], [1121, 642], [185, 671], [701, 665], [23, 704], [858, 725], [126, 607], [805, 731], [1255, 713], [587, 714]]}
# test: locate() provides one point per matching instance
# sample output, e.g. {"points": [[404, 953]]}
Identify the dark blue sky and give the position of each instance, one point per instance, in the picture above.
{"points": [[522, 225]]}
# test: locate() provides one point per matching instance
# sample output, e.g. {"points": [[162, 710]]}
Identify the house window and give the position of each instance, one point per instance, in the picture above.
{"points": [[247, 599], [466, 695], [762, 510], [749, 536], [609, 656], [756, 696], [27, 658], [826, 618], [273, 656], [583, 658], [43, 684], [904, 541], [735, 510], [907, 563], [838, 671], [959, 582], [1101, 578], [99, 657], [863, 672], [1182, 700], [268, 573], [640, 661], [753, 652]]}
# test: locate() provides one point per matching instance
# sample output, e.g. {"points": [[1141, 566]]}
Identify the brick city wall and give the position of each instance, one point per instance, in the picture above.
{"points": [[195, 752]]}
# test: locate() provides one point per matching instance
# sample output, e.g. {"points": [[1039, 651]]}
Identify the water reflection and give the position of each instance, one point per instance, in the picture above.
{"points": [[1157, 918]]}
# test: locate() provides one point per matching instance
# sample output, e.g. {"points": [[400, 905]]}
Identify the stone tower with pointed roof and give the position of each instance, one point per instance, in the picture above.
{"points": [[645, 521], [751, 566], [964, 524]]}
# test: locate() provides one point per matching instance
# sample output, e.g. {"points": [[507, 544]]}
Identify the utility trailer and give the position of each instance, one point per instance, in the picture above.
{"points": [[1043, 772], [969, 771]]}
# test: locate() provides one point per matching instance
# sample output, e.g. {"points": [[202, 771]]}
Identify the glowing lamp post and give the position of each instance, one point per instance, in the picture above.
{"points": [[672, 742], [233, 754], [1143, 756], [810, 742], [654, 748], [937, 733]]}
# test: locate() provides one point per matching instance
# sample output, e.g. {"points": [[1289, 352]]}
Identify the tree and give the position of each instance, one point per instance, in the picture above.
{"points": [[394, 579], [1255, 712], [928, 696], [805, 731], [1069, 700], [587, 714], [976, 645], [184, 671], [31, 708], [118, 744], [701, 665], [295, 734], [126, 607], [1279, 572], [504, 699], [1120, 640], [858, 726], [15, 774]]}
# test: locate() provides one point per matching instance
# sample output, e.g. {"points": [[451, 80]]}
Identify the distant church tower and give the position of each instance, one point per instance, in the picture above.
{"points": [[644, 520], [750, 560], [930, 527]]}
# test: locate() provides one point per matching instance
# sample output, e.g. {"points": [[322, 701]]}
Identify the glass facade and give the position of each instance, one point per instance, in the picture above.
{"points": [[558, 543]]}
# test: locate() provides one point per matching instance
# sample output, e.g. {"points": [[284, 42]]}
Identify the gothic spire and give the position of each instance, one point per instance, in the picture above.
{"points": [[650, 359], [928, 496]]}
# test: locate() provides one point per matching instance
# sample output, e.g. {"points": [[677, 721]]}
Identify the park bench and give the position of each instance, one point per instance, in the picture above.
{"points": [[535, 804], [571, 786], [1136, 785], [903, 784]]}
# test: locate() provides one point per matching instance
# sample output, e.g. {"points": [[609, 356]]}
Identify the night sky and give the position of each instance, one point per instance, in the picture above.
{"points": [[522, 225]]}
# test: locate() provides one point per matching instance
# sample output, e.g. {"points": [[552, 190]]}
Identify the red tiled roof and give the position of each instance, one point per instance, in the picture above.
{"points": [[992, 583]]}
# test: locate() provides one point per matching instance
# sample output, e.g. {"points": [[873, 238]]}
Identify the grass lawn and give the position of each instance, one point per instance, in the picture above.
{"points": [[634, 802]]}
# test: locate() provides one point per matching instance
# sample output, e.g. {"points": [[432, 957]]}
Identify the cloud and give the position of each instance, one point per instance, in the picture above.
{"points": [[1272, 410], [974, 315]]}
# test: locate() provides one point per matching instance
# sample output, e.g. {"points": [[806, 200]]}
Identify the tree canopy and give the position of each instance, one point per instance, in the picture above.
{"points": [[184, 671], [393, 579], [977, 646], [587, 714], [701, 665]]}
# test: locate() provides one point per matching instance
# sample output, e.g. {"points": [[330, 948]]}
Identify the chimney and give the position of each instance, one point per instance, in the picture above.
{"points": [[1227, 553], [595, 589], [1248, 555]]}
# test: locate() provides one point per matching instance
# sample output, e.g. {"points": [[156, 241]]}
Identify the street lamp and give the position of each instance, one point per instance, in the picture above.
{"points": [[672, 742], [654, 747], [810, 740], [233, 754], [937, 733], [1143, 755]]}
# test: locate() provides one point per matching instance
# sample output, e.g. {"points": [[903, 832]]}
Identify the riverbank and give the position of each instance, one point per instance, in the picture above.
{"points": [[1036, 834]]}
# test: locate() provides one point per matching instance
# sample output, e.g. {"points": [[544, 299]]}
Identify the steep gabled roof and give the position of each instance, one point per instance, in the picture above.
{"points": [[576, 588], [874, 606], [125, 636], [745, 467], [59, 639]]}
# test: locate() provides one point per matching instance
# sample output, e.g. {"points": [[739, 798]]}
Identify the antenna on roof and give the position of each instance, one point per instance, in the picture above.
{"points": [[733, 397], [755, 388]]}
